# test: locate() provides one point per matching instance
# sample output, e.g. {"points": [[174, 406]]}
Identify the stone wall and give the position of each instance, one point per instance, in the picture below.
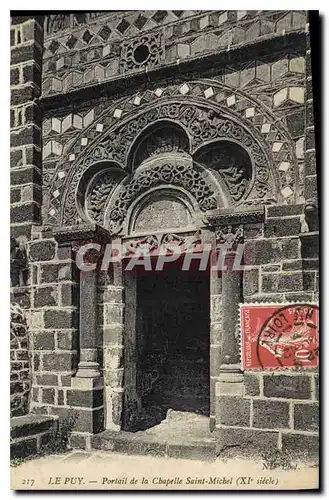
{"points": [[26, 41], [278, 411]]}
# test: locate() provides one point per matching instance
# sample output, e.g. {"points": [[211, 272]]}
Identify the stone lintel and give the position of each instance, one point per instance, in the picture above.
{"points": [[224, 217], [67, 234]]}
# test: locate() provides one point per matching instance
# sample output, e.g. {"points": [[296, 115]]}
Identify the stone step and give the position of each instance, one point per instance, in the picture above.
{"points": [[140, 443], [28, 433]]}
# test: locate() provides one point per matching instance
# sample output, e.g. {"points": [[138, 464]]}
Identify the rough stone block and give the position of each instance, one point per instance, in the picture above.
{"points": [[310, 246], [251, 384], [282, 227], [89, 420], [45, 296], [67, 340], [113, 334], [88, 399], [310, 163], [25, 53], [244, 441], [46, 379], [299, 443], [33, 155], [114, 378], [59, 362], [16, 157], [117, 406], [24, 448], [277, 282], [258, 252], [78, 441], [270, 414], [60, 319], [233, 411], [306, 417], [25, 135], [311, 187], [310, 139], [284, 210], [285, 386], [48, 396], [42, 250], [43, 340], [250, 282], [25, 212], [48, 273], [69, 294], [24, 175], [14, 76]]}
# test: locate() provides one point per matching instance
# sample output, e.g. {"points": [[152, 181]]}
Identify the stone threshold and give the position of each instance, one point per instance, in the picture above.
{"points": [[139, 443]]}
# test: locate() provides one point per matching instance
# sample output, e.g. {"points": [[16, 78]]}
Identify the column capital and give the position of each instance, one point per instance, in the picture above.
{"points": [[235, 217], [92, 231]]}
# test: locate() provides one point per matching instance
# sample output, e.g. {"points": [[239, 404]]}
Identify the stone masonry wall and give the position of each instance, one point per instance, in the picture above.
{"points": [[26, 41], [278, 411]]}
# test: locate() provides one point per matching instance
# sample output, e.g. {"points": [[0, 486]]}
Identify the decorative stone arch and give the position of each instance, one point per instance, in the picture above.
{"points": [[152, 140], [206, 120], [166, 172]]}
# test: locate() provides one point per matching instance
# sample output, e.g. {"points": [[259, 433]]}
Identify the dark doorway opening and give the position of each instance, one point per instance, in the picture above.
{"points": [[173, 325]]}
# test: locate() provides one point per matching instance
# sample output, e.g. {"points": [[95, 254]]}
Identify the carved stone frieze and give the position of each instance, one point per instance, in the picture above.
{"points": [[171, 241], [168, 242], [236, 217], [147, 244]]}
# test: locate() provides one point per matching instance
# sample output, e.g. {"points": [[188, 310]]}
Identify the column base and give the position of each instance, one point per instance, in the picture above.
{"points": [[231, 381], [88, 369]]}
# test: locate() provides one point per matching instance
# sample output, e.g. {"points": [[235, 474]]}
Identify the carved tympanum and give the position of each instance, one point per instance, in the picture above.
{"points": [[184, 176]]}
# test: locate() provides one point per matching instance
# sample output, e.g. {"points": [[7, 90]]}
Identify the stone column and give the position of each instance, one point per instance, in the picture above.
{"points": [[226, 293], [230, 375], [215, 329], [86, 395], [88, 366]]}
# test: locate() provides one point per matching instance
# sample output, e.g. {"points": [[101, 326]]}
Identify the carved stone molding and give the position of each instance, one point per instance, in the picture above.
{"points": [[67, 234], [226, 217]]}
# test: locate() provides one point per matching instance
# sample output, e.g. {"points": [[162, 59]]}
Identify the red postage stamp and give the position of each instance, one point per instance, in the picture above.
{"points": [[279, 336]]}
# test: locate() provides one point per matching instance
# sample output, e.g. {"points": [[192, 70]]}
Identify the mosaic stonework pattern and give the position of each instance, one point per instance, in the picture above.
{"points": [[81, 50]]}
